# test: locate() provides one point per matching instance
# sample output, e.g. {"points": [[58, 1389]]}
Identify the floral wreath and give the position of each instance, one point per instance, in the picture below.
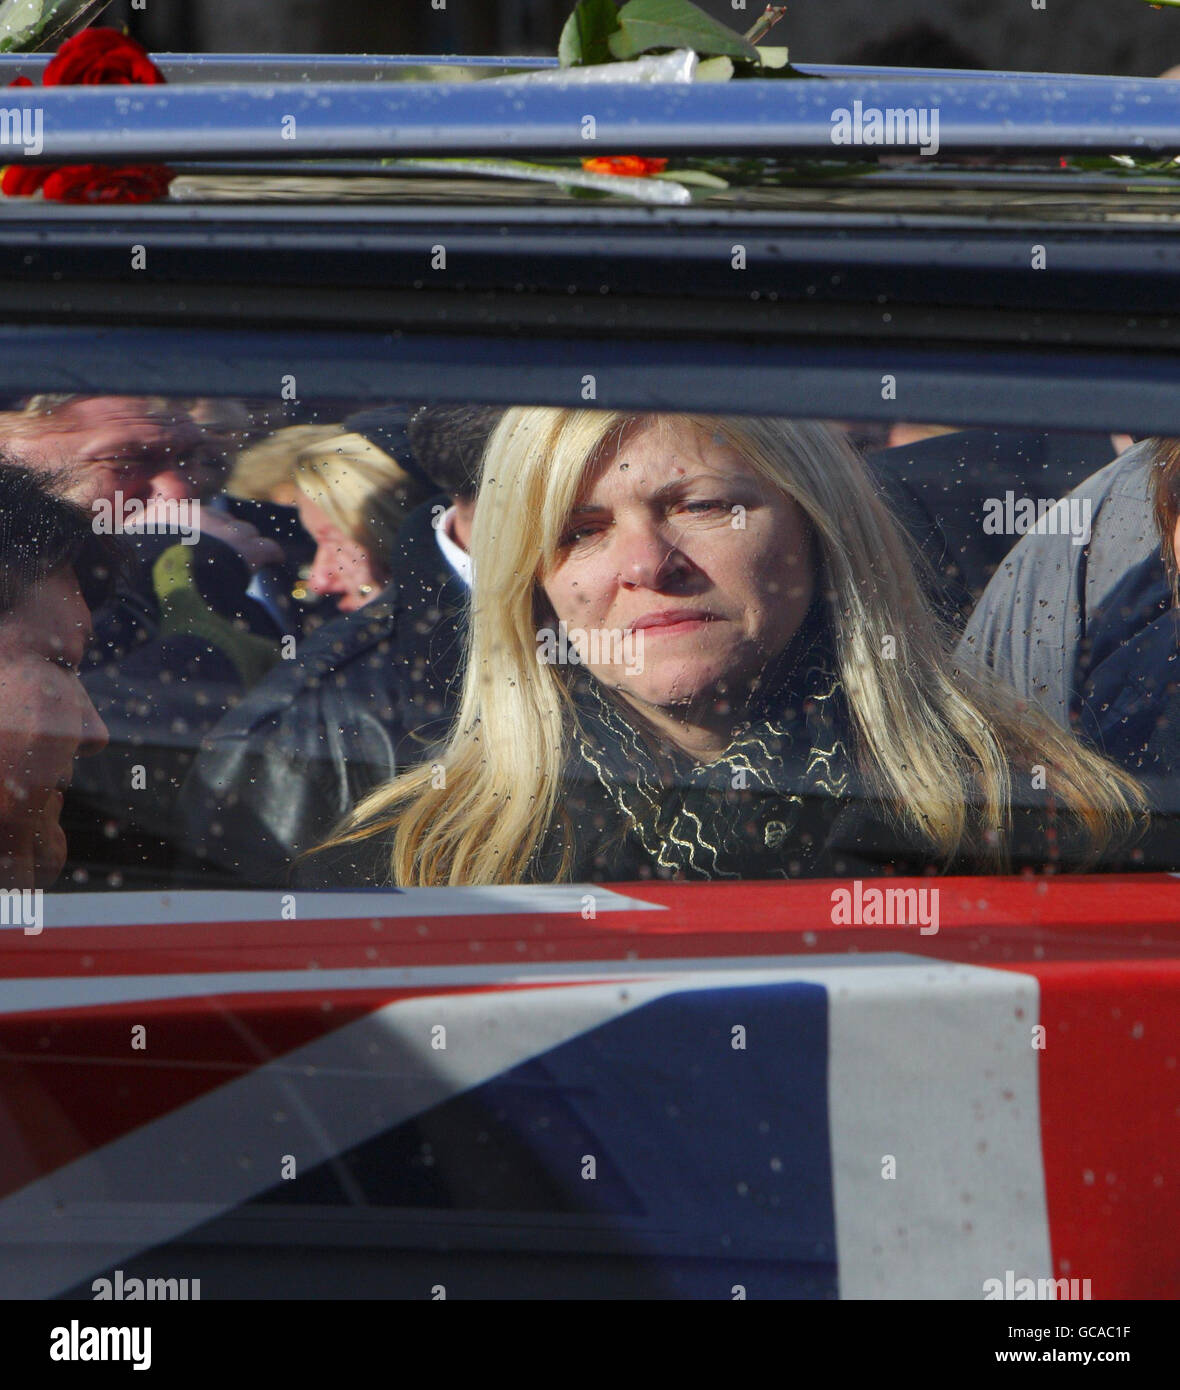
{"points": [[597, 32]]}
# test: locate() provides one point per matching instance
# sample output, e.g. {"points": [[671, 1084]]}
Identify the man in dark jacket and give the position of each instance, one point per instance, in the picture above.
{"points": [[173, 643], [368, 693], [1091, 634], [1053, 607], [52, 568]]}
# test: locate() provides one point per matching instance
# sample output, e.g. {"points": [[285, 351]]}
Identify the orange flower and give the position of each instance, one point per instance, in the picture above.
{"points": [[630, 165]]}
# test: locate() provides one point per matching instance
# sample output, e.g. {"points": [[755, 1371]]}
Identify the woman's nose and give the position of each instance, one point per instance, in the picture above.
{"points": [[170, 484], [325, 571], [646, 558]]}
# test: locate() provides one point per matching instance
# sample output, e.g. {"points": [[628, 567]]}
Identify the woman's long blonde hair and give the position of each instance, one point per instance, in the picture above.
{"points": [[932, 740], [264, 470]]}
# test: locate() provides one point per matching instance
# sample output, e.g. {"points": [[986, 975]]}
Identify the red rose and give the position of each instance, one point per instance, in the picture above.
{"points": [[101, 183], [630, 165], [98, 56], [93, 57], [23, 180]]}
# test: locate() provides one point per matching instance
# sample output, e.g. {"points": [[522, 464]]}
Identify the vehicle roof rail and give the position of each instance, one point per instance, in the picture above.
{"points": [[333, 67], [952, 114]]}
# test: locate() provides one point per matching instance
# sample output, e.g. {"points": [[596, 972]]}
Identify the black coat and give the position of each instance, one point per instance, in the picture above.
{"points": [[937, 488], [1129, 678], [784, 801], [159, 691], [365, 698]]}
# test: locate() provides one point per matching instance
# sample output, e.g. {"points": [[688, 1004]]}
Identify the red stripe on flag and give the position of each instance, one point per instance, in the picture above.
{"points": [[981, 921], [1110, 1124]]}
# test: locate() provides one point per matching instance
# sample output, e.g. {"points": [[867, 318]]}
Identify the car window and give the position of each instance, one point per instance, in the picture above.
{"points": [[678, 647]]}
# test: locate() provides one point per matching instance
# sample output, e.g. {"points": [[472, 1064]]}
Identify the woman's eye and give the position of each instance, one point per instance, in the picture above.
{"points": [[703, 507], [578, 535]]}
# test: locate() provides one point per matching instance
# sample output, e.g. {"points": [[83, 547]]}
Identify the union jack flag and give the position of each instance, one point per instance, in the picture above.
{"points": [[708, 1091]]}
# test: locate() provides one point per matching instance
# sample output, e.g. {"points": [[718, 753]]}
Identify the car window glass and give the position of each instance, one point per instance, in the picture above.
{"points": [[329, 653]]}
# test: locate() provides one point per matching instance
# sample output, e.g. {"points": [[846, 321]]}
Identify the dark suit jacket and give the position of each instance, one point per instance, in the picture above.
{"points": [[938, 488], [366, 697]]}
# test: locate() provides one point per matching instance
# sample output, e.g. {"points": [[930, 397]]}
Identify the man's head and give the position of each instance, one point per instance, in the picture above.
{"points": [[48, 551], [448, 443], [102, 445]]}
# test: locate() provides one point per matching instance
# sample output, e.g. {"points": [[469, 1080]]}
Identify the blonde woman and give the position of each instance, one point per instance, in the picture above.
{"points": [[264, 471], [352, 498], [764, 691]]}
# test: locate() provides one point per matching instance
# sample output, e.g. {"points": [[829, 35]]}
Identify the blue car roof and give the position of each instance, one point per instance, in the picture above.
{"points": [[372, 113]]}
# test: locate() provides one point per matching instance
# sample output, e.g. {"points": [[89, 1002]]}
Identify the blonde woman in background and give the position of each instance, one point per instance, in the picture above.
{"points": [[264, 472], [352, 498], [764, 691]]}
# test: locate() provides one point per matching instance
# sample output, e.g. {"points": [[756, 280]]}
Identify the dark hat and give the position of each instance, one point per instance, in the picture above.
{"points": [[385, 426]]}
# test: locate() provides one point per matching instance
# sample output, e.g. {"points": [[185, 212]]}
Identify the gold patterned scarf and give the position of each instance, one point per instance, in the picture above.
{"points": [[762, 809]]}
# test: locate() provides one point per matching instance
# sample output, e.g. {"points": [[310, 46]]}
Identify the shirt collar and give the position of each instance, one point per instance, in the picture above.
{"points": [[455, 556]]}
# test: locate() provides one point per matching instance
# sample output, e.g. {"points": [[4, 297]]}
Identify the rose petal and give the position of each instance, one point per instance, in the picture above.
{"points": [[23, 180]]}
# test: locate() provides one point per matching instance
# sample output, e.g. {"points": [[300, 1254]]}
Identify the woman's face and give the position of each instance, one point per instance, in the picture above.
{"points": [[690, 569], [342, 566]]}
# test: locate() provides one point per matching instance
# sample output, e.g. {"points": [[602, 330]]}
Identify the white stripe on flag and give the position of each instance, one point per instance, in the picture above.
{"points": [[937, 1069], [54, 993], [200, 905]]}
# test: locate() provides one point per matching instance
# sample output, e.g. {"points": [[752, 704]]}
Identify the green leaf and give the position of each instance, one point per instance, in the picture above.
{"points": [[20, 20], [645, 25], [693, 178], [27, 25], [584, 38]]}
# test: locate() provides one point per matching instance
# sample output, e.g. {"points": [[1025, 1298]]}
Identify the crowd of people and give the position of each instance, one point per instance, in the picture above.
{"points": [[423, 645]]}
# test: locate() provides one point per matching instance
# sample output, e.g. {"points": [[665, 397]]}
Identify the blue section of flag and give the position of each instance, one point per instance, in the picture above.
{"points": [[715, 1156]]}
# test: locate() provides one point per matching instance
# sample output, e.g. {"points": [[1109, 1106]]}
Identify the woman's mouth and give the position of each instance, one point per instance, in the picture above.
{"points": [[671, 622]]}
